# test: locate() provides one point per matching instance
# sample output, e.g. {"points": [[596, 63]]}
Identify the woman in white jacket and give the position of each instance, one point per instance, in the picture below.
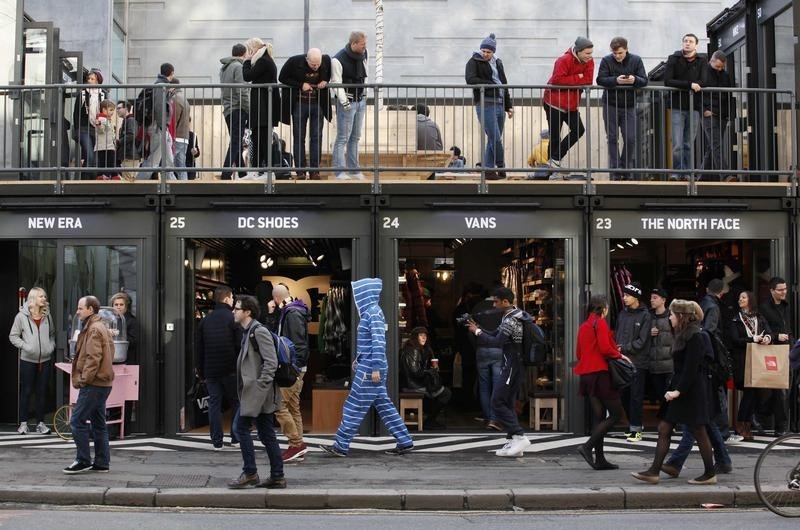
{"points": [[34, 335]]}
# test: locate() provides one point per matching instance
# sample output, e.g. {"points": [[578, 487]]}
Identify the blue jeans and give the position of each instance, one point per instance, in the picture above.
{"points": [[348, 133], [266, 433], [493, 118], [302, 114], [33, 377], [237, 122], [180, 157], [219, 388], [489, 366], [684, 131], [620, 120], [91, 406], [679, 455]]}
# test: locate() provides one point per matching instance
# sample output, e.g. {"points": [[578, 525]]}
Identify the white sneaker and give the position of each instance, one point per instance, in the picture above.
{"points": [[554, 163], [342, 176], [519, 442], [503, 451], [359, 176], [42, 428], [734, 439], [23, 428]]}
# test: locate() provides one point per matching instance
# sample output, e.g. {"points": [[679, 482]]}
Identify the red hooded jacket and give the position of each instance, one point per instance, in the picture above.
{"points": [[565, 73]]}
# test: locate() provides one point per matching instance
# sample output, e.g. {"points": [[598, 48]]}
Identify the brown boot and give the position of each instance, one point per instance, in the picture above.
{"points": [[744, 430]]}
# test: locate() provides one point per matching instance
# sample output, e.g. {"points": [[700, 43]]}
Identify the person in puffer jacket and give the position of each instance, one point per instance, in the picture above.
{"points": [[34, 335], [661, 364], [369, 381]]}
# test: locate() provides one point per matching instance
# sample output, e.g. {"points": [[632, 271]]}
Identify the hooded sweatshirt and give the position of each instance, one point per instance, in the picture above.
{"points": [[233, 99], [633, 334], [371, 330], [293, 324], [565, 73], [35, 344]]}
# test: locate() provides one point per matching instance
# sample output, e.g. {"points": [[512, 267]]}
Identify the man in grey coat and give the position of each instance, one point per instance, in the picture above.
{"points": [[235, 107], [259, 398]]}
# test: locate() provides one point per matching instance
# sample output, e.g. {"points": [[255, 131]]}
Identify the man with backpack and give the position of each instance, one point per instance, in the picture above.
{"points": [[509, 336], [292, 321], [258, 397], [152, 109]]}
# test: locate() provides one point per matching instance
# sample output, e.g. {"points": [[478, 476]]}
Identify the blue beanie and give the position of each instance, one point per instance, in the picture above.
{"points": [[489, 43]]}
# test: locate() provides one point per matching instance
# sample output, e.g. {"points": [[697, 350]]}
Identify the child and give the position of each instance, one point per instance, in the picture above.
{"points": [[105, 146]]}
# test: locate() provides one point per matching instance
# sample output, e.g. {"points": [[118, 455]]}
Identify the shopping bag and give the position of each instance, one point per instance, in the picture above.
{"points": [[766, 366], [198, 393]]}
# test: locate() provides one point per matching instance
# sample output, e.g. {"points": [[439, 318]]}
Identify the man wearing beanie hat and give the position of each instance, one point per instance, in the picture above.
{"points": [[634, 325], [574, 68], [621, 73], [483, 68]]}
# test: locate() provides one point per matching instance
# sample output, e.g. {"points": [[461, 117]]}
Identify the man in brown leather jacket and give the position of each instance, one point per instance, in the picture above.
{"points": [[93, 374]]}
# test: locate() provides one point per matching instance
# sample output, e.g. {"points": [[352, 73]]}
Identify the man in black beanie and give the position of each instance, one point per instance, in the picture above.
{"points": [[633, 338]]}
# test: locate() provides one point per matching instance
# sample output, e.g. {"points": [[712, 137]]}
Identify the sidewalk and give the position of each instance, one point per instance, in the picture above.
{"points": [[474, 480]]}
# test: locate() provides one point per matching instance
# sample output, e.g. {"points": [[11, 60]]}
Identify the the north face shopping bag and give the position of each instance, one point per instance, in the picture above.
{"points": [[766, 366]]}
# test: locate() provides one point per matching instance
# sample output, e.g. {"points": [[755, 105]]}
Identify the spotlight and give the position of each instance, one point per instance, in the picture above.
{"points": [[264, 265], [619, 246], [634, 241], [263, 258]]}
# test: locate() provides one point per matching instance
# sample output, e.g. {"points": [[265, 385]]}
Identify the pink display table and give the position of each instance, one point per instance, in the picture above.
{"points": [[125, 388]]}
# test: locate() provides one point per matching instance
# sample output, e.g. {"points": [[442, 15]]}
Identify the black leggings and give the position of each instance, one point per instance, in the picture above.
{"points": [[601, 423], [665, 436]]}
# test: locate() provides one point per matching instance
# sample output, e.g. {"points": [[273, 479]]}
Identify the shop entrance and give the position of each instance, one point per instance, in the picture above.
{"points": [[316, 271], [683, 268], [681, 252], [316, 252], [443, 281], [441, 263]]}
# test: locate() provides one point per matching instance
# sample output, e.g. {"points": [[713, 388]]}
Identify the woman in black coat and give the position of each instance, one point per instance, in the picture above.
{"points": [[748, 326], [260, 69], [422, 375], [687, 399]]}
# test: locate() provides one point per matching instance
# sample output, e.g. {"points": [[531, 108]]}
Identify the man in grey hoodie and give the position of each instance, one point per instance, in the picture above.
{"points": [[429, 138], [235, 107]]}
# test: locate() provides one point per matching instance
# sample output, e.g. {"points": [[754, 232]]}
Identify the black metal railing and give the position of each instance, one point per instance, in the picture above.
{"points": [[208, 133]]}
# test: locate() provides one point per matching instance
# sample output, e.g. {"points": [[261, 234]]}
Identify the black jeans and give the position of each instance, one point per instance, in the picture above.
{"points": [[504, 394], [237, 122], [555, 118], [219, 388], [33, 377]]}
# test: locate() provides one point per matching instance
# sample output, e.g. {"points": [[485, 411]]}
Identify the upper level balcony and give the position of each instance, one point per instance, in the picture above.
{"points": [[406, 139]]}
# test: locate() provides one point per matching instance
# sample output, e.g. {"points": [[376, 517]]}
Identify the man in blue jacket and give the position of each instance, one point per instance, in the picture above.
{"points": [[621, 72], [369, 381]]}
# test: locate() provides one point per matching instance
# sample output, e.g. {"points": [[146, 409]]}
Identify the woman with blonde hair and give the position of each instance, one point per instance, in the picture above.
{"points": [[265, 103], [34, 335], [686, 399]]}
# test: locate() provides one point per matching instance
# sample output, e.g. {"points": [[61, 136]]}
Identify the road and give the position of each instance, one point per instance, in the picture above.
{"points": [[123, 519]]}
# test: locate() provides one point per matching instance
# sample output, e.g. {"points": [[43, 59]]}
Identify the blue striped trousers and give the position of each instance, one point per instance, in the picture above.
{"points": [[363, 394]]}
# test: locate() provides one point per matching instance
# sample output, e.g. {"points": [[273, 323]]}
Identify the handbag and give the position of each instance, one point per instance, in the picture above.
{"points": [[621, 372], [198, 393]]}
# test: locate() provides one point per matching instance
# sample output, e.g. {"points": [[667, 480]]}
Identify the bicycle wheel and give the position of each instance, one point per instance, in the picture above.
{"points": [[61, 422], [777, 476]]}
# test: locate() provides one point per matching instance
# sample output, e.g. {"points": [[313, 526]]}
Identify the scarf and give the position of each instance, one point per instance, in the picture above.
{"points": [[359, 59], [750, 322]]}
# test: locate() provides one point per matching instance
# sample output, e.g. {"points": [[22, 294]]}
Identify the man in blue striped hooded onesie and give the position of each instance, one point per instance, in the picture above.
{"points": [[369, 381]]}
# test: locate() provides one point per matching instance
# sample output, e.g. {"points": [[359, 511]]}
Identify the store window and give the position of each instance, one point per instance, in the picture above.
{"points": [[443, 282]]}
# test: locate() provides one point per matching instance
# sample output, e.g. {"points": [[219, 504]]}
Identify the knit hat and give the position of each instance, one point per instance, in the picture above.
{"points": [[489, 43], [545, 134], [581, 43], [660, 292], [419, 329], [634, 289], [687, 307]]}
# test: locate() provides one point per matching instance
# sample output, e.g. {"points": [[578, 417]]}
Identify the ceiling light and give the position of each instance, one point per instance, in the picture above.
{"points": [[619, 246], [264, 265], [263, 258], [634, 241]]}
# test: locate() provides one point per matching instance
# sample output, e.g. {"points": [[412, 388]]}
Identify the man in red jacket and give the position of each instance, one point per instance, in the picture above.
{"points": [[574, 68]]}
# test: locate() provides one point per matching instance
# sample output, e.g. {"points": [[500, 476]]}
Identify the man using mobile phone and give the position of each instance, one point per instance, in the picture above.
{"points": [[621, 73]]}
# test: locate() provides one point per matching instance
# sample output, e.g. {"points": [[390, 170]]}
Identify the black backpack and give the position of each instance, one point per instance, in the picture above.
{"points": [[143, 106], [717, 365], [534, 346], [287, 373]]}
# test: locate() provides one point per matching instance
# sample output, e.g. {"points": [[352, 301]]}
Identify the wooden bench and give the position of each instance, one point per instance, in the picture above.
{"points": [[409, 160]]}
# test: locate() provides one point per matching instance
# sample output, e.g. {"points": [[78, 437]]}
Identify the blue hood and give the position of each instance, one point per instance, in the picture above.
{"points": [[366, 293]]}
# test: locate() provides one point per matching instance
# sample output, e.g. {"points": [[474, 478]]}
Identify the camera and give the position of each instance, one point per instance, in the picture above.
{"points": [[464, 319]]}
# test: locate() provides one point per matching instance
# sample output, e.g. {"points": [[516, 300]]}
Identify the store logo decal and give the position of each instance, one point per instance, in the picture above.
{"points": [[481, 222], [771, 363], [44, 223], [691, 223], [268, 222]]}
